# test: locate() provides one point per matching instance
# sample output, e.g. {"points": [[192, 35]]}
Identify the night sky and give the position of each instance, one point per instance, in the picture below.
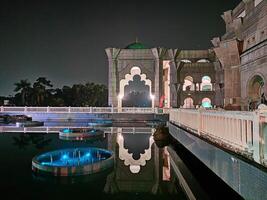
{"points": [[65, 40]]}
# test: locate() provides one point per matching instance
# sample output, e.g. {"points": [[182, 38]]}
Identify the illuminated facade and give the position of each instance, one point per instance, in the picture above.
{"points": [[167, 73], [232, 75], [242, 52]]}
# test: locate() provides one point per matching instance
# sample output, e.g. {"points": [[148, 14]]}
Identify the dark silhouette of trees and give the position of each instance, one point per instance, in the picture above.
{"points": [[24, 90], [41, 93]]}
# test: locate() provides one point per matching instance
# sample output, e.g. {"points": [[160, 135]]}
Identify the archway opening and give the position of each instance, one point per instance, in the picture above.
{"points": [[188, 103], [135, 90], [188, 84], [206, 84], [255, 88], [206, 103], [136, 94]]}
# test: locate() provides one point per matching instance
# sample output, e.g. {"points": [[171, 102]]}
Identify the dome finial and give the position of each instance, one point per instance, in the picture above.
{"points": [[136, 40]]}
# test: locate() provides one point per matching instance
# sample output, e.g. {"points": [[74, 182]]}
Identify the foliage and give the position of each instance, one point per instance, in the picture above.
{"points": [[41, 93]]}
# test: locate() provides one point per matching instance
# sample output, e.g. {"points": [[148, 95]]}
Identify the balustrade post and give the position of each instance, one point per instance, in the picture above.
{"points": [[69, 109], [199, 121], [91, 110], [256, 136], [2, 108], [47, 109], [25, 108]]}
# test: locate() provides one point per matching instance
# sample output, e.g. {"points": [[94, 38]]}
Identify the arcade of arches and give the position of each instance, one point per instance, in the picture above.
{"points": [[143, 77], [159, 77]]}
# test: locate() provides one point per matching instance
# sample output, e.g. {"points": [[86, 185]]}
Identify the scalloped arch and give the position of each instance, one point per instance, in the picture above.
{"points": [[129, 77]]}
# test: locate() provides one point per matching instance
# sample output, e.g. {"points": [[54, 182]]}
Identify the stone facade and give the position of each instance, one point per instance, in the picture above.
{"points": [[235, 67], [197, 64], [121, 61], [242, 52], [152, 64]]}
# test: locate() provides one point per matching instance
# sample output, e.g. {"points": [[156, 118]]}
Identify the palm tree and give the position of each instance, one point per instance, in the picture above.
{"points": [[40, 91], [24, 87]]}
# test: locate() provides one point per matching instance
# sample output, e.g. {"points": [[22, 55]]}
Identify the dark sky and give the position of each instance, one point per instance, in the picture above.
{"points": [[65, 40]]}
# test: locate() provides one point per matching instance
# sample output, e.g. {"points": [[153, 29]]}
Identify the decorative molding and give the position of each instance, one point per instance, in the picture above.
{"points": [[134, 165]]}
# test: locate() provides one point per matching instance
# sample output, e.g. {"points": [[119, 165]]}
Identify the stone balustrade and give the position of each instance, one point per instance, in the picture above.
{"points": [[83, 110], [242, 132]]}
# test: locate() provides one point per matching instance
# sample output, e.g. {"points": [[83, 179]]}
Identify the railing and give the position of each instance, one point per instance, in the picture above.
{"points": [[82, 110], [56, 129], [235, 130]]}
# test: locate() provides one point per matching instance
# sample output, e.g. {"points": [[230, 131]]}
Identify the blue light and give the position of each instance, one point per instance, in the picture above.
{"points": [[88, 154], [64, 157], [66, 131], [206, 105]]}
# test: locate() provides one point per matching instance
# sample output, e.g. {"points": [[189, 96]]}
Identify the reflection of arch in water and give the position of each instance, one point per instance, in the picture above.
{"points": [[134, 165], [255, 87]]}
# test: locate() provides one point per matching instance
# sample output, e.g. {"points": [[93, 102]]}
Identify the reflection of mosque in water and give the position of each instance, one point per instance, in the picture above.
{"points": [[140, 166]]}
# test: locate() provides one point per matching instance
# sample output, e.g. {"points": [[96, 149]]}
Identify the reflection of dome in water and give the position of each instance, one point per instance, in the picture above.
{"points": [[135, 169]]}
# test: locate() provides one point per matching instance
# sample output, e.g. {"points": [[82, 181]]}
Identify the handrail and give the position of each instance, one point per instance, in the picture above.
{"points": [[238, 130], [48, 109]]}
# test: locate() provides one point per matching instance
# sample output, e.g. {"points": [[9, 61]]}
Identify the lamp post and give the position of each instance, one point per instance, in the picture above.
{"points": [[152, 97], [120, 97]]}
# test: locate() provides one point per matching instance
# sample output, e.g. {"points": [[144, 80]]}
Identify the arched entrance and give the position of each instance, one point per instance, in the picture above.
{"points": [[188, 84], [206, 103], [135, 90], [206, 84], [255, 89], [188, 103]]}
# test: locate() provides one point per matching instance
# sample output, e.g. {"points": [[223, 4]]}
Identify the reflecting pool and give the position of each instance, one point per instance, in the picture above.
{"points": [[141, 170]]}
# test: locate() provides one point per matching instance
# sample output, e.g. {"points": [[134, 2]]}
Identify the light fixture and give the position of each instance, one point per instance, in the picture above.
{"points": [[152, 96], [120, 96]]}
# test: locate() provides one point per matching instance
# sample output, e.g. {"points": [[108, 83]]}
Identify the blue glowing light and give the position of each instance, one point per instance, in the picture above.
{"points": [[65, 157], [73, 157], [88, 154], [206, 104], [66, 130]]}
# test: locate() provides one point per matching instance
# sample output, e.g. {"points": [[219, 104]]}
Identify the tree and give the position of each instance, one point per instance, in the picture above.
{"points": [[24, 89], [40, 91]]}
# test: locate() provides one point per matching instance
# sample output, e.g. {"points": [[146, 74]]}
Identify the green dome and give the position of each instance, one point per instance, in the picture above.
{"points": [[136, 45]]}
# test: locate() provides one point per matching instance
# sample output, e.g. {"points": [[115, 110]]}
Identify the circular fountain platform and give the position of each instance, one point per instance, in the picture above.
{"points": [[79, 133], [73, 162]]}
